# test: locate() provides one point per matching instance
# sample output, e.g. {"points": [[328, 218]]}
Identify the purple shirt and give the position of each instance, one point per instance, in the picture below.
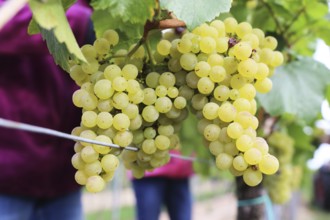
{"points": [[34, 90]]}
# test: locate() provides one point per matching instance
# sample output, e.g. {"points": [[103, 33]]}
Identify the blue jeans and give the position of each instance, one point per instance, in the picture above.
{"points": [[66, 207], [153, 192]]}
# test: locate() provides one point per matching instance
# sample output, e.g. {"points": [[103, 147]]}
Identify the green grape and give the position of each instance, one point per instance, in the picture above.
{"points": [[148, 146], [104, 120], [100, 148], [210, 110], [216, 147], [76, 73], [252, 177], [237, 81], [207, 45], [244, 143], [121, 122], [150, 96], [184, 45], [242, 50], [230, 148], [88, 101], [180, 102], [166, 130], [120, 100], [107, 177], [261, 144], [202, 68], [263, 71], [247, 91], [268, 164], [219, 26], [227, 112], [264, 85], [150, 113], [163, 104], [215, 59], [135, 123], [133, 86], [77, 161], [217, 74], [162, 142], [245, 119], [139, 53], [212, 132], [188, 61], [198, 101], [152, 79], [172, 92], [91, 66], [205, 85], [161, 91], [95, 184], [111, 72], [89, 134], [224, 161], [101, 46], [243, 29], [233, 94], [269, 42], [109, 163], [163, 47], [221, 93], [222, 44], [104, 105], [78, 147], [111, 36], [230, 25], [230, 64], [129, 71], [89, 52], [186, 92], [248, 68], [123, 138], [239, 163], [119, 84], [277, 59], [252, 156], [88, 119], [93, 168], [150, 133], [131, 110], [235, 130], [192, 79], [167, 79], [252, 39], [80, 177], [242, 104]]}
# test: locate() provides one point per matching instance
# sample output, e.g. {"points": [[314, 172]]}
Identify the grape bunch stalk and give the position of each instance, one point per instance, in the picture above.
{"points": [[140, 96]]}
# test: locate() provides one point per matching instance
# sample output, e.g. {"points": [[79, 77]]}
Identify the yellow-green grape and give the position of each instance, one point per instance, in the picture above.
{"points": [[247, 91], [252, 177], [109, 163], [207, 45], [215, 59], [205, 85], [277, 59], [93, 168], [77, 161], [100, 148], [224, 161], [162, 142], [224, 135], [243, 28], [150, 96], [111, 36], [252, 39], [210, 110], [230, 64], [91, 66], [172, 92], [135, 123], [167, 79], [227, 112], [269, 42], [150, 113], [251, 132], [192, 79], [120, 100], [148, 146], [219, 26], [77, 97], [88, 101], [230, 25], [266, 55], [136, 97], [76, 73], [221, 93], [129, 71], [112, 71], [131, 110], [77, 147], [235, 130], [108, 176], [152, 79], [212, 132], [237, 81], [121, 122], [139, 53], [252, 156], [264, 85], [239, 163], [88, 134], [161, 91], [245, 118], [242, 50], [104, 105], [133, 86], [242, 104], [259, 33], [202, 68], [188, 61], [88, 51], [244, 143], [149, 133], [233, 94], [119, 84], [80, 177], [216, 147], [263, 71], [104, 120], [88, 119], [248, 68], [166, 130], [123, 138], [180, 102], [95, 184], [268, 164], [88, 154], [222, 44], [102, 46], [184, 45], [217, 74], [261, 144], [163, 47], [231, 149], [163, 104]]}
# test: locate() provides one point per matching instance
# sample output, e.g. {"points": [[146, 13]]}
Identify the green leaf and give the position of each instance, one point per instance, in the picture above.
{"points": [[298, 88], [301, 139], [104, 20], [51, 18], [33, 26], [328, 93], [196, 12], [134, 11]]}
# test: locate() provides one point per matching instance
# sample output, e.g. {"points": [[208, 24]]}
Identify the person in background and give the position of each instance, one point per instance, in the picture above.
{"points": [[36, 177], [167, 185]]}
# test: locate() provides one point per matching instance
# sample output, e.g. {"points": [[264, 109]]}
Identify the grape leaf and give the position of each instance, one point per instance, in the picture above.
{"points": [[196, 12], [298, 88], [132, 11], [103, 20], [51, 18]]}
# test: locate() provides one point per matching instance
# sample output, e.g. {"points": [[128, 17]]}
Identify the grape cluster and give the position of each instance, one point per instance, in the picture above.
{"points": [[214, 71], [281, 185], [225, 63]]}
